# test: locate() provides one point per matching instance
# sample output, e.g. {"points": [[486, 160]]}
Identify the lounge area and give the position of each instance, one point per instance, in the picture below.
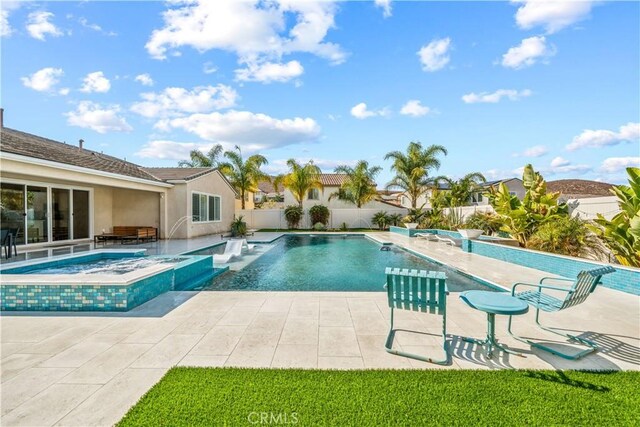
{"points": [[127, 234]]}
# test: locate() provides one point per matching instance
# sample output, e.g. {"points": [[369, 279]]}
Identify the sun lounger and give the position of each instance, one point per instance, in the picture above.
{"points": [[232, 249], [248, 246], [447, 240], [426, 236]]}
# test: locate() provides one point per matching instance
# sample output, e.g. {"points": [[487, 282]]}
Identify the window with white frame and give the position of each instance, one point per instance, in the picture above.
{"points": [[313, 194], [205, 207]]}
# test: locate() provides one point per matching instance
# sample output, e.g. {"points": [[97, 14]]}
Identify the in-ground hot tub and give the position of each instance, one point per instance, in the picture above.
{"points": [[99, 281]]}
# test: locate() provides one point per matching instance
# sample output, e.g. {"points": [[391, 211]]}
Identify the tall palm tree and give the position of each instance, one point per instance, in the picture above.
{"points": [[244, 175], [198, 159], [412, 169], [301, 179], [460, 191], [359, 186]]}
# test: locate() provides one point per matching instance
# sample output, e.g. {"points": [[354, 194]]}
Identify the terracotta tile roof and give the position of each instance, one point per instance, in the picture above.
{"points": [[333, 179], [579, 188], [28, 145], [178, 174]]}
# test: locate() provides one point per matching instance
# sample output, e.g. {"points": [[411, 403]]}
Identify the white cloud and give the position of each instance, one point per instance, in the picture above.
{"points": [[268, 72], [43, 80], [251, 29], [64, 91], [5, 27], [495, 174], [360, 111], [414, 108], [527, 53], [385, 5], [435, 55], [604, 138], [209, 68], [535, 151], [486, 97], [95, 82], [174, 101], [278, 166], [101, 119], [552, 15], [171, 150], [251, 131], [144, 79], [95, 27], [560, 165], [618, 164], [39, 25]]}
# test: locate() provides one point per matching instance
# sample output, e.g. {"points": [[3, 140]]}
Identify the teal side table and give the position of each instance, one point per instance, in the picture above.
{"points": [[493, 303]]}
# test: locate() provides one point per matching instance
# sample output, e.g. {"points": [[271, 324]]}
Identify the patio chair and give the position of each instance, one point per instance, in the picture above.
{"points": [[232, 249], [579, 291], [8, 242], [421, 291]]}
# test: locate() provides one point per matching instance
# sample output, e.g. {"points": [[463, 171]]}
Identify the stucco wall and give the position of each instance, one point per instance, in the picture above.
{"points": [[131, 207], [102, 209], [334, 203]]}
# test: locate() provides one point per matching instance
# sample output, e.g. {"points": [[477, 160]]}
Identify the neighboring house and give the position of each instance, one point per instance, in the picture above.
{"points": [[513, 184], [52, 192], [249, 201], [267, 192], [331, 183], [579, 189]]}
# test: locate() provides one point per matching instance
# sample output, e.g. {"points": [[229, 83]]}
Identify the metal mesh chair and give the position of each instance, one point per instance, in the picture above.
{"points": [[420, 291], [579, 291]]}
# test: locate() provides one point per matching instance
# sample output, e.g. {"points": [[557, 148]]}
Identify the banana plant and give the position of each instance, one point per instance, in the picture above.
{"points": [[522, 218], [622, 233]]}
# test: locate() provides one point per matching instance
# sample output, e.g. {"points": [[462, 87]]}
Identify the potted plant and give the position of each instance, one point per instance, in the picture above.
{"points": [[239, 227]]}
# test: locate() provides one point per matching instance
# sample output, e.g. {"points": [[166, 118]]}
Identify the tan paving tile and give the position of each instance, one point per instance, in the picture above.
{"points": [[335, 317], [199, 323], [220, 341], [82, 352], [330, 362], [369, 323], [276, 305], [152, 333], [295, 356], [27, 384], [49, 406], [301, 331], [109, 404], [338, 341], [203, 361], [168, 352], [12, 365], [9, 348], [305, 307], [239, 316], [255, 351], [102, 368], [267, 323], [60, 341]]}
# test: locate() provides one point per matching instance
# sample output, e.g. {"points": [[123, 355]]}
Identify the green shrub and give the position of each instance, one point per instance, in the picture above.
{"points": [[566, 236], [293, 215], [319, 213], [488, 222], [318, 226], [343, 227], [238, 227]]}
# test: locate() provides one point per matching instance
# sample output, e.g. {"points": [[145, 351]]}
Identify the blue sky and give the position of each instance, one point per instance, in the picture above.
{"points": [[500, 84]]}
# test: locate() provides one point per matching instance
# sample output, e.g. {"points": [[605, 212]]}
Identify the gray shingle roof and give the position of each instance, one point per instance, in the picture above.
{"points": [[26, 144], [178, 174]]}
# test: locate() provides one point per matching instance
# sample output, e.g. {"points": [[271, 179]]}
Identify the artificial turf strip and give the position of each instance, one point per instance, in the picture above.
{"points": [[234, 396]]}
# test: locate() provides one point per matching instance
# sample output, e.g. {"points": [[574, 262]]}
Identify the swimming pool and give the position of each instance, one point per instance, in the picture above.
{"points": [[110, 266], [329, 263]]}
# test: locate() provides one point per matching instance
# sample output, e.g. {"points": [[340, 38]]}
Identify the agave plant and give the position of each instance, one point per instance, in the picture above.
{"points": [[622, 233]]}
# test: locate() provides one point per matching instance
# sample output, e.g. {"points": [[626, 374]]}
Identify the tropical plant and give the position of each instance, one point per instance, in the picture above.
{"points": [[434, 218], [301, 179], [461, 190], [344, 227], [522, 218], [381, 219], [453, 219], [319, 214], [395, 219], [198, 159], [566, 236], [243, 175], [622, 233], [359, 185], [238, 227], [412, 169], [488, 222], [293, 214]]}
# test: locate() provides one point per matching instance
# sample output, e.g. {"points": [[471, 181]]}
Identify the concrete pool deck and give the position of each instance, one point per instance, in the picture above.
{"points": [[90, 368]]}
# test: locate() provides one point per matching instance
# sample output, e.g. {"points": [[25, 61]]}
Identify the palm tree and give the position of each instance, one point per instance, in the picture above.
{"points": [[202, 160], [460, 191], [243, 175], [359, 186], [301, 179], [412, 169]]}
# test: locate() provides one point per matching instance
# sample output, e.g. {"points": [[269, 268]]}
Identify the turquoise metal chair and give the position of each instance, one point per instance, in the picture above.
{"points": [[421, 291], [579, 291]]}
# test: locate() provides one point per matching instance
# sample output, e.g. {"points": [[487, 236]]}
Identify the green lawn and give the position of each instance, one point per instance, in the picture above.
{"points": [[229, 396]]}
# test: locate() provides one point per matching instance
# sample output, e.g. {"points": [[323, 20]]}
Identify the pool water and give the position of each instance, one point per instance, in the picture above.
{"points": [[111, 266], [329, 263]]}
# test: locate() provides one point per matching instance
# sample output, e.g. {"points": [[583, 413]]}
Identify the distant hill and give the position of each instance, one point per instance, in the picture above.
{"points": [[579, 188]]}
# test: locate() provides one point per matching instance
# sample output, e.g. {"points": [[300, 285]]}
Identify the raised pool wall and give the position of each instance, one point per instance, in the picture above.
{"points": [[625, 279], [112, 297]]}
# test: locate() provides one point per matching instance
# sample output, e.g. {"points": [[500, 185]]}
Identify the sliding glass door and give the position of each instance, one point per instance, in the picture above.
{"points": [[42, 214]]}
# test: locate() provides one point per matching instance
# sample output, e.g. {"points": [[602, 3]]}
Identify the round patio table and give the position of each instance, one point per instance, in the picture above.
{"points": [[493, 303]]}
